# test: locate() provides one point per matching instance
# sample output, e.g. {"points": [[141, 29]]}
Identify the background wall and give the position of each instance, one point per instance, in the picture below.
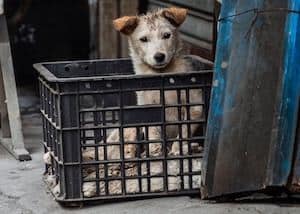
{"points": [[106, 42], [52, 30], [47, 30], [198, 31]]}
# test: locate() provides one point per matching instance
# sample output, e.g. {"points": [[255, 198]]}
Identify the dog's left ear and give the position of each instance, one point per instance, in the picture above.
{"points": [[174, 15], [126, 24]]}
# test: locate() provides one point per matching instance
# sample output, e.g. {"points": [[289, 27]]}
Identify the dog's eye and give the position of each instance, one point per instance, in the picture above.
{"points": [[166, 35], [144, 39]]}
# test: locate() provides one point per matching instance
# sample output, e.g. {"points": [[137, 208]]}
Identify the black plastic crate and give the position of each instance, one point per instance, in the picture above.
{"points": [[84, 102]]}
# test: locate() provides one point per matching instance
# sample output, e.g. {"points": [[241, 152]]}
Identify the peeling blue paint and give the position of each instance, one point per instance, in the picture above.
{"points": [[290, 96], [226, 109], [216, 105]]}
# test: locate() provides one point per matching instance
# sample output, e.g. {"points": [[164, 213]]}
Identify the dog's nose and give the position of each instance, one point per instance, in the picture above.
{"points": [[159, 57]]}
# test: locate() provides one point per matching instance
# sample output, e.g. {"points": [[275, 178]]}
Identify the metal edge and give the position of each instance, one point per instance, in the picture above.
{"points": [[283, 140], [216, 103]]}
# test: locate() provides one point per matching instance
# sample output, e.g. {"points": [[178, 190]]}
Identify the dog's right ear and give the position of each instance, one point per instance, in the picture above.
{"points": [[126, 24]]}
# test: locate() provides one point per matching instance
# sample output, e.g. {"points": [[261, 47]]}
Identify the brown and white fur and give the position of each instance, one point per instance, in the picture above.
{"points": [[155, 47], [152, 35], [148, 35]]}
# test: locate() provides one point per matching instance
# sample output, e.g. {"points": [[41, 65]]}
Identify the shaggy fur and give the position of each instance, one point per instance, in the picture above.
{"points": [[150, 34], [154, 26]]}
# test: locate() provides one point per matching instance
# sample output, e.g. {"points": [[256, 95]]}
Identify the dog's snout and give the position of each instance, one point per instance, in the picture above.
{"points": [[159, 57]]}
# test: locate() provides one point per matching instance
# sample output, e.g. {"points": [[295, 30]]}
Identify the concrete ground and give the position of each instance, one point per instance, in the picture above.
{"points": [[22, 190]]}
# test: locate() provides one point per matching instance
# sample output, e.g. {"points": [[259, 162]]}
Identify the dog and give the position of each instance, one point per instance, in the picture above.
{"points": [[155, 47]]}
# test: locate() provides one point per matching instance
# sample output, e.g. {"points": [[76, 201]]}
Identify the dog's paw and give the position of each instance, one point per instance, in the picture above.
{"points": [[47, 158], [175, 150], [89, 189]]}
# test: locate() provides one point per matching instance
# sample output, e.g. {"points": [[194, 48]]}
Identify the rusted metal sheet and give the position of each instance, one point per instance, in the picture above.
{"points": [[255, 96]]}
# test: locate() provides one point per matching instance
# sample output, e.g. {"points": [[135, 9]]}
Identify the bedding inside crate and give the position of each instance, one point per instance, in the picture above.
{"points": [[153, 167]]}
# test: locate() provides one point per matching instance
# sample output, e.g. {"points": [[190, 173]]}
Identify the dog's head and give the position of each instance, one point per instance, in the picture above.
{"points": [[153, 37]]}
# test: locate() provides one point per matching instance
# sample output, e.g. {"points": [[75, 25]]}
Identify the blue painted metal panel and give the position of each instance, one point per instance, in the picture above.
{"points": [[284, 139], [255, 98], [216, 105]]}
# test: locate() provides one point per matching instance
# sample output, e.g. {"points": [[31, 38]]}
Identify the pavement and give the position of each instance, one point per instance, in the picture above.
{"points": [[22, 190]]}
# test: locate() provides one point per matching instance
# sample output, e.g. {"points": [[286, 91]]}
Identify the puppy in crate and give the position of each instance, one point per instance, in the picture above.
{"points": [[155, 48]]}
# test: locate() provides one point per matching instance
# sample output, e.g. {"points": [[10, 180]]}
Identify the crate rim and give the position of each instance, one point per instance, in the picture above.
{"points": [[44, 72]]}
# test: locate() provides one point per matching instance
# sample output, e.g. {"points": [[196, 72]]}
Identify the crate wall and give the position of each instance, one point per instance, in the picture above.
{"points": [[80, 117]]}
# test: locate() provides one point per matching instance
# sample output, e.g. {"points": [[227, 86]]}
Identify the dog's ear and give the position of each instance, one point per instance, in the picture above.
{"points": [[174, 15], [126, 24]]}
